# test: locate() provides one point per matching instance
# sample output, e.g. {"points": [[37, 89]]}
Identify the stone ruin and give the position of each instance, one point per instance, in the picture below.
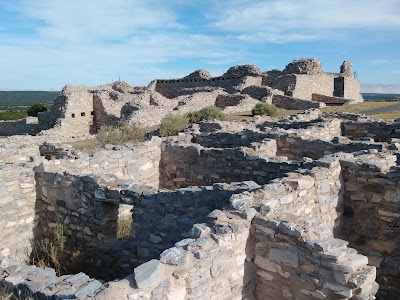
{"points": [[82, 110], [304, 207]]}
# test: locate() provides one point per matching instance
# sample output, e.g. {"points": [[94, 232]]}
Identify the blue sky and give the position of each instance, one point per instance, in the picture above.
{"points": [[45, 44]]}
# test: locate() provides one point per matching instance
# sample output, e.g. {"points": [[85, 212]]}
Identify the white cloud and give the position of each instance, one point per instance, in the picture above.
{"points": [[77, 20], [293, 20], [89, 42]]}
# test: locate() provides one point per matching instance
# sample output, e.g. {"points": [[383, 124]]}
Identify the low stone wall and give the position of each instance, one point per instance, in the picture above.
{"points": [[298, 147], [162, 219], [20, 127], [330, 100], [287, 102], [289, 267], [380, 131], [31, 281], [137, 162], [215, 263], [191, 164], [371, 218]]}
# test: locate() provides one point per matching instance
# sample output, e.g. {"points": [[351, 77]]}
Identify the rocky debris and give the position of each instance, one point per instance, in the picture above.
{"points": [[243, 70], [122, 87], [346, 69], [31, 281], [311, 66], [199, 74]]}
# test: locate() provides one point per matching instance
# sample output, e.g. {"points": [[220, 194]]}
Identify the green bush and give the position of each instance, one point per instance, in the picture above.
{"points": [[172, 124], [206, 114], [265, 109], [120, 134], [12, 115], [35, 109]]}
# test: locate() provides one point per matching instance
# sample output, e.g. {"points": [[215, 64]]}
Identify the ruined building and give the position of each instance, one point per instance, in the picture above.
{"points": [[301, 85], [305, 207]]}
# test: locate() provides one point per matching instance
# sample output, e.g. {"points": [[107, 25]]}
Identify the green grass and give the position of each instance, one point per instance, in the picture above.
{"points": [[367, 107], [12, 116], [361, 107]]}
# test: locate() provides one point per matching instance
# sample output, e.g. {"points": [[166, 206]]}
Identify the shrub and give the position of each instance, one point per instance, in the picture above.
{"points": [[124, 226], [120, 134], [265, 109], [172, 124], [206, 114], [12, 115], [35, 109], [47, 253]]}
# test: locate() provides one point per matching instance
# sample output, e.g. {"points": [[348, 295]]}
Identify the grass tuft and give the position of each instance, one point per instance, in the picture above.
{"points": [[118, 135], [173, 124], [124, 226]]}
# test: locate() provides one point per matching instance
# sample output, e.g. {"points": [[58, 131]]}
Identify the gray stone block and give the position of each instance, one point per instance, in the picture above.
{"points": [[148, 274]]}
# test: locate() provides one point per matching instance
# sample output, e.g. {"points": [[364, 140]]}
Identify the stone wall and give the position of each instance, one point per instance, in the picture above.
{"points": [[137, 162], [18, 196], [89, 223], [25, 126], [347, 87], [371, 218], [72, 112], [288, 102], [162, 219], [330, 100], [191, 164], [290, 268], [176, 87], [380, 131], [306, 85]]}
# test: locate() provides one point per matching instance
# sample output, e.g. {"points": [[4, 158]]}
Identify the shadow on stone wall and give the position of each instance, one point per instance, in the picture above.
{"points": [[76, 231]]}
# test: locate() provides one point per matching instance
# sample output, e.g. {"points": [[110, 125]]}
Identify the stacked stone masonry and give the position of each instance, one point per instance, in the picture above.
{"points": [[304, 207], [82, 110]]}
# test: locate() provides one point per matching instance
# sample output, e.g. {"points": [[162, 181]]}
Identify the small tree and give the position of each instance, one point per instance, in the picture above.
{"points": [[35, 109]]}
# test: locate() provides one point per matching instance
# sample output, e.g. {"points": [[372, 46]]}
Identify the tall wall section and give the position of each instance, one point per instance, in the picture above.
{"points": [[306, 85], [18, 192], [176, 87]]}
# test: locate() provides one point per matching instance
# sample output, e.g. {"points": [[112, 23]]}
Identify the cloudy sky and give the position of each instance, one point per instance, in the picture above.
{"points": [[45, 44]]}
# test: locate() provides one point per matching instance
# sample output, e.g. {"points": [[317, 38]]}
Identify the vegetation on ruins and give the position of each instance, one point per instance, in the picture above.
{"points": [[46, 253], [171, 124], [120, 134], [265, 109], [12, 115], [124, 226], [35, 109], [205, 114]]}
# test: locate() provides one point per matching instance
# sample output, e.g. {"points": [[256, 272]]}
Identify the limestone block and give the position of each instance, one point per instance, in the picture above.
{"points": [[148, 274], [174, 256], [285, 256]]}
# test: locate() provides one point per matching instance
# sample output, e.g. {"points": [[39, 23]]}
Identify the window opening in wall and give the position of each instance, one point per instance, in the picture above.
{"points": [[82, 114], [72, 115], [92, 113]]}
